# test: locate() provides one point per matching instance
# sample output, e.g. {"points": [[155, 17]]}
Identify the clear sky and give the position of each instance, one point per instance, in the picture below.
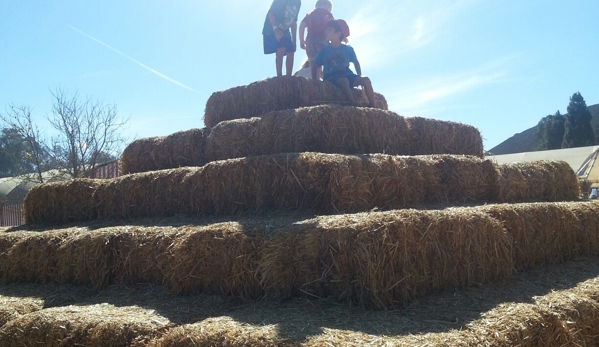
{"points": [[499, 65]]}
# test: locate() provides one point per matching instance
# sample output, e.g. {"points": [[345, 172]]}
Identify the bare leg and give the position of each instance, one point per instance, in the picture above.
{"points": [[369, 91], [289, 63], [279, 60], [343, 83]]}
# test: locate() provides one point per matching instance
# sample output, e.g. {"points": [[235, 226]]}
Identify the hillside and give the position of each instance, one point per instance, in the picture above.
{"points": [[526, 141]]}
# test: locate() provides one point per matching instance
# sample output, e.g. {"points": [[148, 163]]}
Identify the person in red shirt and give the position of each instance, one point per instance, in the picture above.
{"points": [[316, 23]]}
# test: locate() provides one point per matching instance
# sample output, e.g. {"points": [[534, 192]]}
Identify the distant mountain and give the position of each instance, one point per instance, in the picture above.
{"points": [[527, 142]]}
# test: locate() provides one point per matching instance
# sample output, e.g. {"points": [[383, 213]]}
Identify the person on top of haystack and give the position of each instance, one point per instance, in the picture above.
{"points": [[279, 33], [335, 58], [316, 23]]}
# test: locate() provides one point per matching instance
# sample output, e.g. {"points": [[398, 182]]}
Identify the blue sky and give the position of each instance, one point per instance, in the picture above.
{"points": [[499, 65]]}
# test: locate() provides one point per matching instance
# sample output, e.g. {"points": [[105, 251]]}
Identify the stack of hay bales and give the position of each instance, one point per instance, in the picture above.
{"points": [[289, 144]]}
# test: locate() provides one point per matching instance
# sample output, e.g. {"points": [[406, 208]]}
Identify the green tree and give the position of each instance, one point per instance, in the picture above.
{"points": [[550, 131], [578, 130], [15, 154]]}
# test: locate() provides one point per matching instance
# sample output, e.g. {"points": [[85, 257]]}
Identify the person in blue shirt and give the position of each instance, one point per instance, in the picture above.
{"points": [[280, 33], [335, 59]]}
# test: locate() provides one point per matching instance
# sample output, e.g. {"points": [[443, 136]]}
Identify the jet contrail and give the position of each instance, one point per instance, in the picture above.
{"points": [[135, 61]]}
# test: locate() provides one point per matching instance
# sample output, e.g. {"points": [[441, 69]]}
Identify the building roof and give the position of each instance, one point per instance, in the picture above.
{"points": [[579, 158], [14, 189]]}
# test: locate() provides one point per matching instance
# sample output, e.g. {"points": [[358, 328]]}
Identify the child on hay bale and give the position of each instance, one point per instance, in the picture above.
{"points": [[279, 32], [336, 58], [316, 23]]}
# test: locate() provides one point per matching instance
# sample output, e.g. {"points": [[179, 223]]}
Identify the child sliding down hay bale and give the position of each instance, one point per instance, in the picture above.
{"points": [[274, 94], [325, 129]]}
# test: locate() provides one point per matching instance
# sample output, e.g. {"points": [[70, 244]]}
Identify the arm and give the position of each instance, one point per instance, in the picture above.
{"points": [[358, 68], [294, 33], [273, 22], [302, 32]]}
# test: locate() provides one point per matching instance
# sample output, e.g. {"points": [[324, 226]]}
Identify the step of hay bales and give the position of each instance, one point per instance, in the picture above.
{"points": [[275, 94], [380, 259], [316, 182], [551, 306], [325, 129], [184, 148], [93, 325]]}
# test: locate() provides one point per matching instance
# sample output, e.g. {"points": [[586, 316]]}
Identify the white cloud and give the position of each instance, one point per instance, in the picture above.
{"points": [[382, 31], [425, 92]]}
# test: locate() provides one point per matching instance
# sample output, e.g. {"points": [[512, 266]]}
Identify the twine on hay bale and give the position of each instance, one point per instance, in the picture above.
{"points": [[94, 325], [63, 201], [184, 148], [273, 94], [548, 233]]}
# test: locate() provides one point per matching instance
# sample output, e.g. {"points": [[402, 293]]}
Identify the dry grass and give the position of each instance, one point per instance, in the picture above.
{"points": [[275, 94], [184, 148], [316, 182], [94, 325], [325, 129], [13, 307], [550, 306], [379, 259]]}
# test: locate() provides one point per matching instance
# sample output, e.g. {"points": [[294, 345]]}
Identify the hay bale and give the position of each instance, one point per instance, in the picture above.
{"points": [[577, 312], [538, 181], [317, 182], [12, 307], [34, 257], [61, 202], [184, 148], [274, 94], [431, 136], [94, 325], [549, 233], [219, 258], [325, 129], [223, 331]]}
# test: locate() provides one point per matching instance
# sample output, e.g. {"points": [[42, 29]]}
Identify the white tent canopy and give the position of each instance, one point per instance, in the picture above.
{"points": [[582, 159]]}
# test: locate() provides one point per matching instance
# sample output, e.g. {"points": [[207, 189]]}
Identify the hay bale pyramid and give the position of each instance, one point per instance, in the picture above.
{"points": [[293, 219]]}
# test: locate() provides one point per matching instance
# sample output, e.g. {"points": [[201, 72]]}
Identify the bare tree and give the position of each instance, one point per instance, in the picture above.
{"points": [[19, 119], [87, 131]]}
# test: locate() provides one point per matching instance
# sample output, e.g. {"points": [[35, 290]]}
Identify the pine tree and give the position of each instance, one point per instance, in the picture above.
{"points": [[578, 130], [550, 131]]}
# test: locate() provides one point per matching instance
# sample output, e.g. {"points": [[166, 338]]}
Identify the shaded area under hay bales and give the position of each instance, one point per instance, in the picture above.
{"points": [[94, 325], [274, 94], [184, 148], [316, 182], [325, 129], [431, 136]]}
